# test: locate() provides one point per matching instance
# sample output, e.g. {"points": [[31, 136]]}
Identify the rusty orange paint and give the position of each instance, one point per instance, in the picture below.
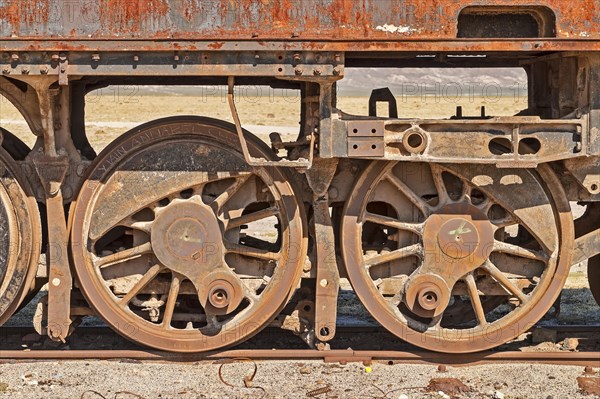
{"points": [[226, 20]]}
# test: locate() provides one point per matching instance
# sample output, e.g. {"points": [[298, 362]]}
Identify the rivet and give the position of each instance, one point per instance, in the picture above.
{"points": [[56, 282], [317, 72], [323, 283], [15, 57], [136, 58], [298, 71], [96, 57]]}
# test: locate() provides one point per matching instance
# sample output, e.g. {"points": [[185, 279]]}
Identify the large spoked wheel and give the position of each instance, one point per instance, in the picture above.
{"points": [[421, 241], [20, 233], [180, 245]]}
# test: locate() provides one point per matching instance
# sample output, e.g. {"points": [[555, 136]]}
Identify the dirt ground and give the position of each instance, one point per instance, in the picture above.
{"points": [[114, 111]]}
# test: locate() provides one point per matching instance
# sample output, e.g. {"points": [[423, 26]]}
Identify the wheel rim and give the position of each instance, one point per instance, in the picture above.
{"points": [[194, 275], [516, 239], [20, 234]]}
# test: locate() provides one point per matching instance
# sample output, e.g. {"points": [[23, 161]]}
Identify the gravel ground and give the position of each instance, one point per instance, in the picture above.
{"points": [[278, 379]]}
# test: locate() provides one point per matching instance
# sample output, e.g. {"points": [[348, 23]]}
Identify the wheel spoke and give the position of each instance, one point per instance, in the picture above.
{"points": [[250, 217], [475, 299], [501, 278], [172, 299], [440, 186], [416, 228], [245, 250], [512, 249], [410, 194], [123, 256], [146, 278], [411, 250], [142, 226], [465, 194], [506, 221], [226, 195]]}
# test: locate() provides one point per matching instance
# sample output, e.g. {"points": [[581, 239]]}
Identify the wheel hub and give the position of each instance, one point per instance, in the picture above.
{"points": [[185, 236], [427, 295], [187, 239], [456, 240], [224, 293]]}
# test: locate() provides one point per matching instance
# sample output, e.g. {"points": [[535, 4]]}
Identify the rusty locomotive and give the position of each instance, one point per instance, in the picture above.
{"points": [[436, 223]]}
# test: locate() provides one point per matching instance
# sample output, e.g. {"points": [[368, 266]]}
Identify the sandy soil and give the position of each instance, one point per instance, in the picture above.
{"points": [[278, 379]]}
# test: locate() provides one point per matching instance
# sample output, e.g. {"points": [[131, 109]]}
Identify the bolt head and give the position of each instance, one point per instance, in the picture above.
{"points": [[298, 71]]}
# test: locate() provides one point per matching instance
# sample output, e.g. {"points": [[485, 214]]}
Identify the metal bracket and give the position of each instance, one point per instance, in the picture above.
{"points": [[301, 163], [366, 138], [383, 95], [63, 65], [51, 171], [328, 277]]}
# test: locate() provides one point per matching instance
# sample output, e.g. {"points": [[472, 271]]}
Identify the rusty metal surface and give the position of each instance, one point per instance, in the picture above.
{"points": [[330, 356], [221, 20], [393, 242], [20, 237], [168, 248]]}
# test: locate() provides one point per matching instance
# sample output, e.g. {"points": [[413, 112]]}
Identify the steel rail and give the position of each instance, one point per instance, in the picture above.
{"points": [[329, 356], [584, 358]]}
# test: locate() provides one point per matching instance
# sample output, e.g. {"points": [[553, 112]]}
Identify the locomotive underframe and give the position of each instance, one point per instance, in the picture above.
{"points": [[560, 127]]}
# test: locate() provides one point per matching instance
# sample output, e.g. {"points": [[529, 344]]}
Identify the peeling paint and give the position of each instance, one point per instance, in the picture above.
{"points": [[395, 29]]}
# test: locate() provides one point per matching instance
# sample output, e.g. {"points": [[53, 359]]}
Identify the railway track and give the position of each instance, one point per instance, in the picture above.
{"points": [[275, 344]]}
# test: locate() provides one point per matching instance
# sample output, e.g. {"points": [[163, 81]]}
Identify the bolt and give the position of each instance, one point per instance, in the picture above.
{"points": [[62, 70], [297, 57], [337, 71], [136, 58], [317, 72], [333, 193], [175, 57], [56, 282], [588, 370], [44, 69], [14, 57], [298, 71], [254, 34], [338, 57], [96, 57], [323, 283], [25, 70], [442, 368], [6, 70], [54, 57], [80, 170]]}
